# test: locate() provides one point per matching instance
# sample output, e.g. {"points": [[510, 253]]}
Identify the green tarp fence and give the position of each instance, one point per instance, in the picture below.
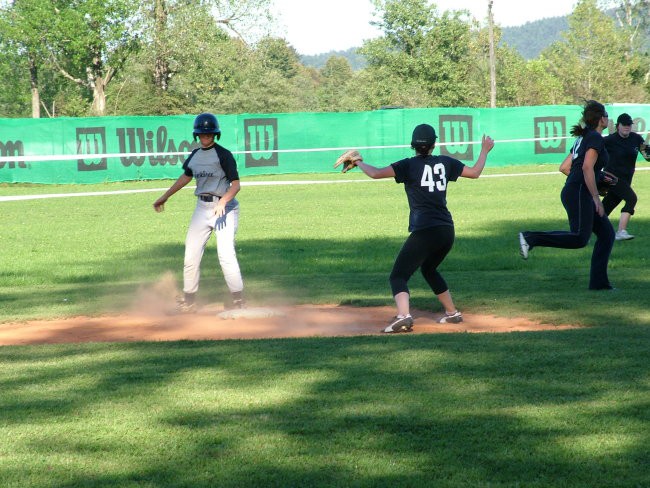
{"points": [[104, 149]]}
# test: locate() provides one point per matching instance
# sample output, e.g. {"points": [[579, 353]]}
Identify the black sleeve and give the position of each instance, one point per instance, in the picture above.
{"points": [[186, 168], [639, 141], [401, 170], [228, 163]]}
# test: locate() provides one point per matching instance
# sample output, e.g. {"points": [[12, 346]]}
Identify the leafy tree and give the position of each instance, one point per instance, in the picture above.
{"points": [[277, 55], [420, 47], [271, 80], [22, 28], [633, 17], [14, 94], [335, 78], [90, 42], [246, 20], [591, 61], [519, 82]]}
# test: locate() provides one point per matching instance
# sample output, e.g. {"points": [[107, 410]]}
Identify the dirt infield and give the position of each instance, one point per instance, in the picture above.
{"points": [[280, 322]]}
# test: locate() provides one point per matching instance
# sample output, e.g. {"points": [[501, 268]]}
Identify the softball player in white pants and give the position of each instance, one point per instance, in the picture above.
{"points": [[202, 225], [217, 182]]}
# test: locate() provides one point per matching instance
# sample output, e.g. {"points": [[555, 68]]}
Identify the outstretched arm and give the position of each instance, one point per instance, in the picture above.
{"points": [[159, 205], [376, 173], [475, 171]]}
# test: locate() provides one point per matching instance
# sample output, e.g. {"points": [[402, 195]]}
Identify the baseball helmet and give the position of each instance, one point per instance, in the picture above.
{"points": [[206, 123], [423, 135]]}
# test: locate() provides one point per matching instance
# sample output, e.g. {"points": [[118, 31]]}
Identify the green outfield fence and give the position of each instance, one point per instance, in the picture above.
{"points": [[103, 149]]}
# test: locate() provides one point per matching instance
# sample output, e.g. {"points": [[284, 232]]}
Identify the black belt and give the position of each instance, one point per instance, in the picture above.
{"points": [[209, 198]]}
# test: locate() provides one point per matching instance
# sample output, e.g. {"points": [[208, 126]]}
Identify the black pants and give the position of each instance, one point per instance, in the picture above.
{"points": [[583, 220], [621, 191], [424, 249]]}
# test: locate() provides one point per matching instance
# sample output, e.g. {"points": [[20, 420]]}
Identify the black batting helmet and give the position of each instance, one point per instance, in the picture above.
{"points": [[206, 123]]}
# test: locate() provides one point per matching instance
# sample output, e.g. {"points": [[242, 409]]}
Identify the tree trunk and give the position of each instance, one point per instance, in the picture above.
{"points": [[493, 70], [99, 97], [161, 66], [36, 96]]}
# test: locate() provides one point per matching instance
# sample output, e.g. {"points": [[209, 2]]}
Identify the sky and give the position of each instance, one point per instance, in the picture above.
{"points": [[320, 26]]}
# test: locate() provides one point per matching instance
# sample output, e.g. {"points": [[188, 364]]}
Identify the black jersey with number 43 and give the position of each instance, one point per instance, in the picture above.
{"points": [[425, 182]]}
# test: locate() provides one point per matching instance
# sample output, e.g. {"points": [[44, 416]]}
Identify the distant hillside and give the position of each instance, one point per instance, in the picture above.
{"points": [[318, 60], [529, 40], [532, 38]]}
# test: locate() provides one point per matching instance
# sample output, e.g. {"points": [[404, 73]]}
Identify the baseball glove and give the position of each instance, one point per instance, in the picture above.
{"points": [[604, 181], [348, 159]]}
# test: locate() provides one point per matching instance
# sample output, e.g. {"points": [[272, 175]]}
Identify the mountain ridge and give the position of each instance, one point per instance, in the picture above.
{"points": [[528, 39]]}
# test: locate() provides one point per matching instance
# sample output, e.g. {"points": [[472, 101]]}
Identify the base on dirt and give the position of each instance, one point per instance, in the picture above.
{"points": [[250, 313]]}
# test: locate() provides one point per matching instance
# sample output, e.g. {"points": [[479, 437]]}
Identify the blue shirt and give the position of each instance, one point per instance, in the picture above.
{"points": [[425, 183], [591, 139]]}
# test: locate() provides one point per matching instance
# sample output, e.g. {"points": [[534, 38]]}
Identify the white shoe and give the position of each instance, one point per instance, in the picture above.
{"points": [[399, 324], [454, 318], [622, 235], [524, 247], [182, 307]]}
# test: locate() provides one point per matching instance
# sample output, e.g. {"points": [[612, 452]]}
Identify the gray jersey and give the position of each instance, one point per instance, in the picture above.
{"points": [[213, 169]]}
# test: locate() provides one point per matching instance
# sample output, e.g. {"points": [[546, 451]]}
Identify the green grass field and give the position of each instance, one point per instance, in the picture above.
{"points": [[536, 409]]}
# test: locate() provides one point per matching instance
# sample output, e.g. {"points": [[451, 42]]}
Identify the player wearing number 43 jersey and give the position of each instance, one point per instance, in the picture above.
{"points": [[425, 178]]}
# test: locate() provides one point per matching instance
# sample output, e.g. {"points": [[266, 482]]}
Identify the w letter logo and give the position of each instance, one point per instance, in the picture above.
{"points": [[549, 135], [456, 130], [91, 142], [261, 142]]}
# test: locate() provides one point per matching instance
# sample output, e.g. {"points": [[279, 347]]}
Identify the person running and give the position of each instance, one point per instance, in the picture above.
{"points": [[581, 199], [425, 178], [217, 211], [623, 147]]}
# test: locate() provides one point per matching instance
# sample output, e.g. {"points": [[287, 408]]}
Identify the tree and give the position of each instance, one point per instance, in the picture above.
{"points": [[633, 17], [14, 95], [420, 47], [246, 20], [271, 80], [335, 78], [22, 27], [592, 60], [90, 40]]}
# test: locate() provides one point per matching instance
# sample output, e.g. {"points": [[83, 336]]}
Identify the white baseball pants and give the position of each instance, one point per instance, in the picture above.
{"points": [[203, 224]]}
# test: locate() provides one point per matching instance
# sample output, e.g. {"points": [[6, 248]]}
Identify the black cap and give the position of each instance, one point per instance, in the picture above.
{"points": [[423, 135], [624, 119]]}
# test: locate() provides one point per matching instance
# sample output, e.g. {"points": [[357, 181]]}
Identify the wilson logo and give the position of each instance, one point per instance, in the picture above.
{"points": [[137, 140], [261, 142], [91, 141], [457, 132], [9, 149], [549, 135]]}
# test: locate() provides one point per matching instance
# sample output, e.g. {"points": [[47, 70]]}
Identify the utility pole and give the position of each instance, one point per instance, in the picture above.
{"points": [[493, 68]]}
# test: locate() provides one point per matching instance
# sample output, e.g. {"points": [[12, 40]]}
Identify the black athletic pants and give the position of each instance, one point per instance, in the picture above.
{"points": [[583, 220], [424, 249], [619, 192]]}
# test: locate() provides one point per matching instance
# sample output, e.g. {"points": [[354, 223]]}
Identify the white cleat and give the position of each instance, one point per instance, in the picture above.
{"points": [[524, 247], [399, 324], [622, 235]]}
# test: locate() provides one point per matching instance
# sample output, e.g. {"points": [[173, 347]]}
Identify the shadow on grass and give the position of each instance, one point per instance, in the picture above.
{"points": [[534, 409], [483, 270]]}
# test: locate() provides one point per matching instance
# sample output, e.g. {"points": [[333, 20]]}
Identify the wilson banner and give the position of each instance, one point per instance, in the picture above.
{"points": [[103, 149]]}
